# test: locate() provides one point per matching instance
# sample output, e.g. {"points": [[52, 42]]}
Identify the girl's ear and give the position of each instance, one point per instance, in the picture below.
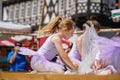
{"points": [[65, 29]]}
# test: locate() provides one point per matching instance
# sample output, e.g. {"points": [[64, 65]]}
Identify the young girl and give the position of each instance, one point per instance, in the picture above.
{"points": [[42, 59], [83, 46], [92, 52]]}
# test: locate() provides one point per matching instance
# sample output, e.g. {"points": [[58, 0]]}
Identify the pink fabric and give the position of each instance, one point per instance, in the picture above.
{"points": [[1, 44], [65, 42], [42, 40]]}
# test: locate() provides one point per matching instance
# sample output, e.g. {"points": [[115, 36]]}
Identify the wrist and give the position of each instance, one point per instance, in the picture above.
{"points": [[15, 52], [75, 71]]}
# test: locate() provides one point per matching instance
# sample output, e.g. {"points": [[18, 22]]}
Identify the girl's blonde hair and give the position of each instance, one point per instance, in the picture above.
{"points": [[56, 24], [70, 24], [51, 26]]}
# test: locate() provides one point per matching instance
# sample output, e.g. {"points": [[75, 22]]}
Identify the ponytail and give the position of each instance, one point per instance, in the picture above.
{"points": [[56, 24], [52, 26]]}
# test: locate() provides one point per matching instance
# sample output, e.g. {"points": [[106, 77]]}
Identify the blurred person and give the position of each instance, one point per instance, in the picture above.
{"points": [[17, 61]]}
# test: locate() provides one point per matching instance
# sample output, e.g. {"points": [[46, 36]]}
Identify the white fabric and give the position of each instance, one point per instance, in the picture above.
{"points": [[7, 43], [13, 26], [89, 49], [21, 37]]}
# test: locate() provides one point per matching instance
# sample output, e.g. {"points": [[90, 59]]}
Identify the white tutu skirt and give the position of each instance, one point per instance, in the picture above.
{"points": [[40, 64]]}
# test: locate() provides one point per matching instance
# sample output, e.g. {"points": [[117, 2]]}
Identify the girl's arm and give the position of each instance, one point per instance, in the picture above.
{"points": [[64, 57], [79, 45], [27, 51]]}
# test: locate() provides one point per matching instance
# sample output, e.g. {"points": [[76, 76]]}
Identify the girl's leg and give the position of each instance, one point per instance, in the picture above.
{"points": [[43, 65]]}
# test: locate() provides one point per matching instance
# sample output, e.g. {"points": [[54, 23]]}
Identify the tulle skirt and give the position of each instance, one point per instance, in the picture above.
{"points": [[40, 64], [115, 60], [110, 52]]}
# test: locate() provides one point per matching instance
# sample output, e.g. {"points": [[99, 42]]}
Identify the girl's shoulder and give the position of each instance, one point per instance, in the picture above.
{"points": [[55, 36]]}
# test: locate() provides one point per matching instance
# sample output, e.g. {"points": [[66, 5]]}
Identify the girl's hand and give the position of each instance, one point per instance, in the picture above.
{"points": [[99, 65], [76, 66], [96, 65]]}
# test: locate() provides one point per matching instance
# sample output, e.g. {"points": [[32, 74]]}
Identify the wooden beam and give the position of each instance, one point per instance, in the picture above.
{"points": [[41, 19], [102, 30], [54, 76], [77, 32]]}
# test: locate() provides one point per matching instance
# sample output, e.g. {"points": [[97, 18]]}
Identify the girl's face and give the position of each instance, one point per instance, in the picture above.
{"points": [[68, 33]]}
